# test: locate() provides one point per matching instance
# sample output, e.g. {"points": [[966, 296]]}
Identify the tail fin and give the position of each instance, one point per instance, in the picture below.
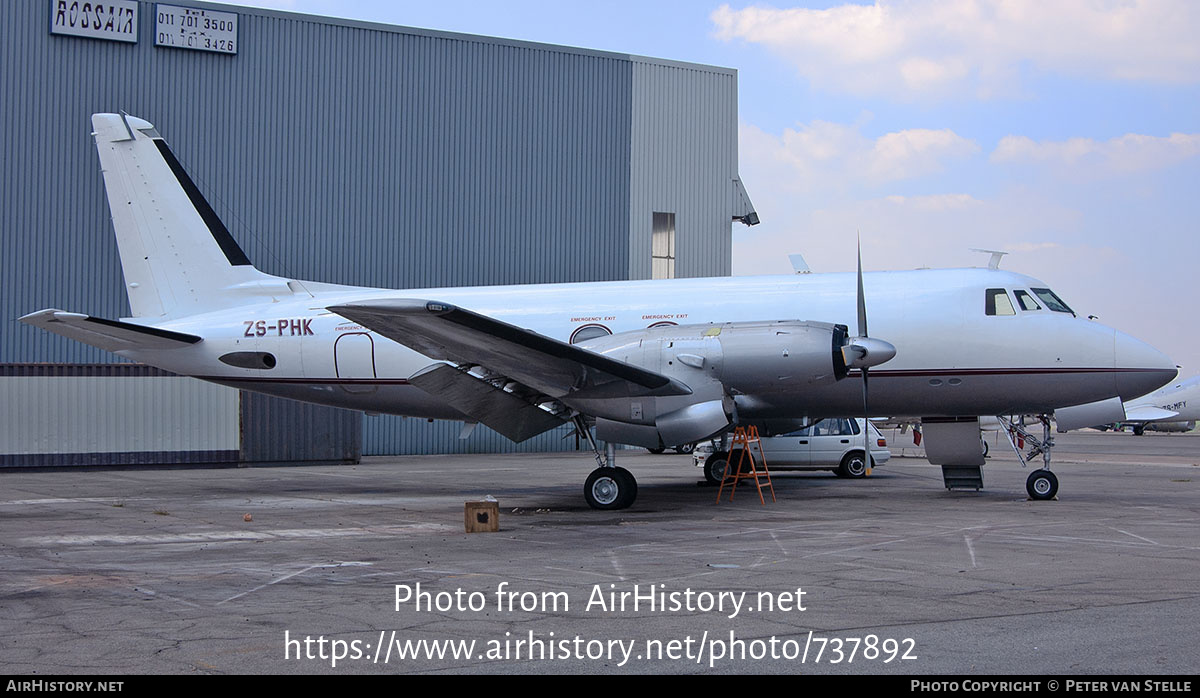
{"points": [[177, 256]]}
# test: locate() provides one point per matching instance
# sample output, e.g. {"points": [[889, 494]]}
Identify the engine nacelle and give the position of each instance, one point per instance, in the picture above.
{"points": [[717, 362]]}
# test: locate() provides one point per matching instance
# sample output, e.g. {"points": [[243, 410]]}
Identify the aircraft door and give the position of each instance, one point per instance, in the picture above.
{"points": [[354, 362]]}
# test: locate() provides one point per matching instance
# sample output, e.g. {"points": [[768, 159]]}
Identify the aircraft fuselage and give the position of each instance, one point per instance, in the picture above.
{"points": [[951, 358]]}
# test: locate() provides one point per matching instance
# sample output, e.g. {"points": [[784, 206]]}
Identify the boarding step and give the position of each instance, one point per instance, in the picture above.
{"points": [[963, 477]]}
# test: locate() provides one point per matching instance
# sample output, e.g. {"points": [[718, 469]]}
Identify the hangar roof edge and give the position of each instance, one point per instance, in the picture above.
{"points": [[457, 36]]}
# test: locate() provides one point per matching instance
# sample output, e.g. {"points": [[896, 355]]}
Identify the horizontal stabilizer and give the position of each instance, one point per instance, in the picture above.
{"points": [[110, 335], [548, 366], [1148, 413], [503, 411]]}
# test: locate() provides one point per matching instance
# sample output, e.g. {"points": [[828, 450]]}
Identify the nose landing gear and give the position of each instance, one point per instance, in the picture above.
{"points": [[1041, 483]]}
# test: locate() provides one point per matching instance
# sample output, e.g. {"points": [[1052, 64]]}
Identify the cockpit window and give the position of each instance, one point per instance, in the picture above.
{"points": [[997, 302], [1052, 301], [1026, 301]]}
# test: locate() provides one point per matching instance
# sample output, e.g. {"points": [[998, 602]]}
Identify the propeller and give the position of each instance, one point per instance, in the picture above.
{"points": [[863, 352]]}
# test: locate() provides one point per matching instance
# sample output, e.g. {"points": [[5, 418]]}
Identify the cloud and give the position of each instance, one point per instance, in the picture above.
{"points": [[823, 154], [934, 202], [908, 49], [1126, 154], [906, 232]]}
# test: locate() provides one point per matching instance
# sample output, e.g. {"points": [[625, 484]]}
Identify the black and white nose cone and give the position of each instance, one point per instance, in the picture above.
{"points": [[1140, 367]]}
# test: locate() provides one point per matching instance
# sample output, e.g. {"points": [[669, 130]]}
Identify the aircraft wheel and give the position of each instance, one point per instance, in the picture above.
{"points": [[1139, 430], [656, 451], [715, 466], [853, 465], [1042, 484], [684, 449], [610, 488]]}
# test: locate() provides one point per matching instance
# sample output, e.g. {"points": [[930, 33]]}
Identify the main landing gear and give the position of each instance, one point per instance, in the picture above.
{"points": [[608, 487], [1041, 484]]}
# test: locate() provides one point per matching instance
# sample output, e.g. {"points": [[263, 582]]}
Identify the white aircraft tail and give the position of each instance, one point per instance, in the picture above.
{"points": [[177, 256]]}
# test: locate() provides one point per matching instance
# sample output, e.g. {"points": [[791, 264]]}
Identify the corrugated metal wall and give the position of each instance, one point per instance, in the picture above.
{"points": [[684, 159], [277, 430], [113, 414], [389, 434], [338, 152], [354, 153]]}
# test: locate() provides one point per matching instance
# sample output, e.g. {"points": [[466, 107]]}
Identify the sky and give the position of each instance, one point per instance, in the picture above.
{"points": [[1066, 133]]}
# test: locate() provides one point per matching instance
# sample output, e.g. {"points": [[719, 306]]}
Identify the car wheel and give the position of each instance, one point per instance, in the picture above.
{"points": [[853, 465], [718, 463]]}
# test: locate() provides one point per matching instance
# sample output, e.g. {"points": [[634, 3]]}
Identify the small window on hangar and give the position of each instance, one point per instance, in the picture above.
{"points": [[662, 246]]}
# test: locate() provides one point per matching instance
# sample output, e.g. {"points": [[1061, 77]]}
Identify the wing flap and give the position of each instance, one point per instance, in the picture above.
{"points": [[557, 369], [507, 413], [110, 335]]}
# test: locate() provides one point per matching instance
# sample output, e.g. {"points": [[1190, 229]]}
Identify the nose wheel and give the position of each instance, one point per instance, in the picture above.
{"points": [[1041, 483]]}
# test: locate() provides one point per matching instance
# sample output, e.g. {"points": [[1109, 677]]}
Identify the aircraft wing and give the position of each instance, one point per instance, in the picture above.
{"points": [[1148, 413], [556, 369], [110, 335], [522, 371]]}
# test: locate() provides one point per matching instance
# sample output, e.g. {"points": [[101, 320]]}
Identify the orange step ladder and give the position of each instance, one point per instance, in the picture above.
{"points": [[735, 472]]}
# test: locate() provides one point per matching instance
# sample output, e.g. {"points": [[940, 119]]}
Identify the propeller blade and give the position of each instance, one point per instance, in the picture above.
{"points": [[862, 301], [866, 423], [871, 352]]}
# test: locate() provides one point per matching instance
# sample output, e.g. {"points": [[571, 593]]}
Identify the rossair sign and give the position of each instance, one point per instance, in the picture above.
{"points": [[114, 20]]}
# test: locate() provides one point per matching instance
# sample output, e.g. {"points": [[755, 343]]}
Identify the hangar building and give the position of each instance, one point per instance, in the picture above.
{"points": [[339, 151]]}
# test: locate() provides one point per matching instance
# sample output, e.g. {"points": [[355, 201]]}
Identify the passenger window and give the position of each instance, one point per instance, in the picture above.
{"points": [[1052, 301], [1026, 301], [849, 426], [997, 302]]}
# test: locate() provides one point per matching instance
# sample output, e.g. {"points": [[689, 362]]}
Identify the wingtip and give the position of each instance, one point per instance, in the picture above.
{"points": [[47, 315]]}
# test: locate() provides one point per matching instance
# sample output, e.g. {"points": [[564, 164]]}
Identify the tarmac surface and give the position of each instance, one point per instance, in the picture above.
{"points": [[157, 571]]}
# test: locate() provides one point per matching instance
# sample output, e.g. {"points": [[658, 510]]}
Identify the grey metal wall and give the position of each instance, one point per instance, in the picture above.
{"points": [[276, 430], [389, 434], [354, 153], [333, 151], [113, 414], [684, 158]]}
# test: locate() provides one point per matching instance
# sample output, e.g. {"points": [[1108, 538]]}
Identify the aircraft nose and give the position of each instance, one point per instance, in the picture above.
{"points": [[1140, 367]]}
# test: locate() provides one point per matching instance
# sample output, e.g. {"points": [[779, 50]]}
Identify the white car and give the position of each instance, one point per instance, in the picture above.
{"points": [[828, 444]]}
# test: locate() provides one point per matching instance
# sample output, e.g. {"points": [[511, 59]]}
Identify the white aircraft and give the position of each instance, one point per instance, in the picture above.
{"points": [[1170, 408], [648, 363]]}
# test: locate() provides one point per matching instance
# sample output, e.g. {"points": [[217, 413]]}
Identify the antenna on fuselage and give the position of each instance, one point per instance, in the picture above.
{"points": [[994, 262]]}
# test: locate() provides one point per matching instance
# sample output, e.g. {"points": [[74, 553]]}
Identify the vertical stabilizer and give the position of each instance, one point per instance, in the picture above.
{"points": [[177, 256]]}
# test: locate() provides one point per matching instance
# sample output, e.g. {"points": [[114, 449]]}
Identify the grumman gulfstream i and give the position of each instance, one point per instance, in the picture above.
{"points": [[648, 363]]}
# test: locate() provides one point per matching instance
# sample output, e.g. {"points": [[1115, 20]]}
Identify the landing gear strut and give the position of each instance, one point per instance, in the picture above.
{"points": [[1041, 484], [608, 486]]}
